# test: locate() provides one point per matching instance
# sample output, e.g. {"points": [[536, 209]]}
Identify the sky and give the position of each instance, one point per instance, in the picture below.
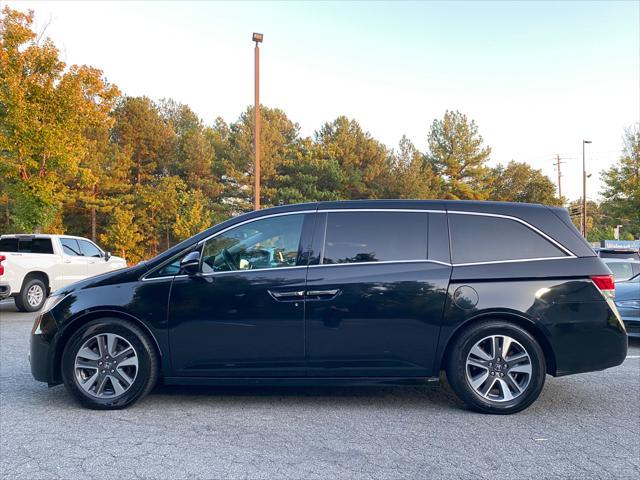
{"points": [[537, 77]]}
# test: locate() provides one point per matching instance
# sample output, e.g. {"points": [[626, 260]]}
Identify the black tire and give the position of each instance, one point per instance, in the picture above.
{"points": [[22, 299], [147, 369], [456, 368]]}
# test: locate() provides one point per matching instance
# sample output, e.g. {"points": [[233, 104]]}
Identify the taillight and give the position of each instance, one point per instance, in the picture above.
{"points": [[605, 284], [2, 259]]}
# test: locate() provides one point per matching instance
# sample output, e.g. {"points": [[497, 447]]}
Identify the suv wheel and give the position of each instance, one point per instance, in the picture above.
{"points": [[32, 295], [496, 367], [109, 364]]}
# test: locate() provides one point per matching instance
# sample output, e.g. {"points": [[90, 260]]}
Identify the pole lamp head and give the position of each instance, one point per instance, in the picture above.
{"points": [[586, 141], [257, 37]]}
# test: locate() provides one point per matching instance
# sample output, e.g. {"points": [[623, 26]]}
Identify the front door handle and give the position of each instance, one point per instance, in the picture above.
{"points": [[323, 293], [298, 294]]}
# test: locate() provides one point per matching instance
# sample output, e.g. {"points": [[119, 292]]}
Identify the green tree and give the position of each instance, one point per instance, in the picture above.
{"points": [[519, 182], [278, 137], [193, 155], [123, 236], [410, 175], [307, 177], [362, 159], [142, 133], [458, 155], [622, 185]]}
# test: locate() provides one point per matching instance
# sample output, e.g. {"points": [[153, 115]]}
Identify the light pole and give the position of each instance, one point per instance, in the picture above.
{"points": [[583, 218], [257, 37]]}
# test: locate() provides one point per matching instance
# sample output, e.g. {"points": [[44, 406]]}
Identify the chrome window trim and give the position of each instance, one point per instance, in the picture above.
{"points": [[569, 254], [470, 264], [210, 274], [406, 210], [381, 262], [523, 222], [516, 260], [169, 277]]}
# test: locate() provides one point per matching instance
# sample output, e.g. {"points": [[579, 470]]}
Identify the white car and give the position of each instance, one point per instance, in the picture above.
{"points": [[622, 269], [33, 266]]}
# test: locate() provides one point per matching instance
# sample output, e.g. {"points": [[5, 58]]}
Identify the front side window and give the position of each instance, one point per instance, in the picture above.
{"points": [[356, 237], [70, 247], [480, 238], [169, 270], [271, 242], [88, 249]]}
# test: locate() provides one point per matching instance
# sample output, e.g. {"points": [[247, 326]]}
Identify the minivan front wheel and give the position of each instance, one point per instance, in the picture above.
{"points": [[496, 367], [109, 364]]}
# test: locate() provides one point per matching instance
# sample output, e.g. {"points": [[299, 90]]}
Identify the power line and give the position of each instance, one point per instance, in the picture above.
{"points": [[558, 164]]}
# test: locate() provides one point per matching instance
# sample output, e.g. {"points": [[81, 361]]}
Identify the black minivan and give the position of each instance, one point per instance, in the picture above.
{"points": [[386, 292]]}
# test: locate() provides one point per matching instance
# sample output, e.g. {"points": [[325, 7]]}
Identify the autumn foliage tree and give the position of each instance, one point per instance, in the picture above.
{"points": [[140, 175]]}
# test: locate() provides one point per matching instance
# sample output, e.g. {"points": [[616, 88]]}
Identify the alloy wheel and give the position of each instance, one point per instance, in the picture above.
{"points": [[35, 295], [106, 366], [498, 368]]}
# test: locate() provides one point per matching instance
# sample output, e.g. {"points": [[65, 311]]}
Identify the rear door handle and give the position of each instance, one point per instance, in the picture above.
{"points": [[298, 294]]}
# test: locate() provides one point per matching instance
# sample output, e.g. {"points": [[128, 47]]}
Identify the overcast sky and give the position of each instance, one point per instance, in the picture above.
{"points": [[536, 77]]}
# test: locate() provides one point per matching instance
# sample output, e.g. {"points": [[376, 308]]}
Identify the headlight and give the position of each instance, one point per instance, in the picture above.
{"points": [[48, 305], [51, 302], [635, 304]]}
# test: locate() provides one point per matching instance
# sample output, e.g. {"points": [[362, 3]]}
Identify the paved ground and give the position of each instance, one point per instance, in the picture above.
{"points": [[586, 426]]}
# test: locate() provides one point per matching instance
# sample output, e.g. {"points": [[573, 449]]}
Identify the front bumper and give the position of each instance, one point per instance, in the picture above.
{"points": [[42, 349]]}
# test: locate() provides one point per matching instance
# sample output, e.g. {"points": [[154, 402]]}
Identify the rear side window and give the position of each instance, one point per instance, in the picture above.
{"points": [[70, 247], [26, 245], [355, 237], [621, 255], [8, 245], [479, 238]]}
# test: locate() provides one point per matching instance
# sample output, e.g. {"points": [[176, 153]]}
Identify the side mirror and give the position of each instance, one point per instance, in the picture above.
{"points": [[190, 264], [107, 256]]}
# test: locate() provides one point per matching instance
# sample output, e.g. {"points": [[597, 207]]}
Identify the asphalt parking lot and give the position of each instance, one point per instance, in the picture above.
{"points": [[584, 426]]}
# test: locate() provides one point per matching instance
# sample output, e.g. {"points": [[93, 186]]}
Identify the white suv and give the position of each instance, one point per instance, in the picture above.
{"points": [[33, 266]]}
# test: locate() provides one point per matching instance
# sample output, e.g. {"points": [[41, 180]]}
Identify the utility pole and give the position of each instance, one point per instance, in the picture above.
{"points": [[257, 37], [583, 218], [557, 164]]}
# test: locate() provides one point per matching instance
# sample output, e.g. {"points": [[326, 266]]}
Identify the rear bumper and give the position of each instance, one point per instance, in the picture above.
{"points": [[593, 340]]}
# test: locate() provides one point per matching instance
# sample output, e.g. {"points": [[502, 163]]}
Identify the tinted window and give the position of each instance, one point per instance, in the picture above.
{"points": [[8, 245], [620, 255], [41, 245], [268, 243], [70, 247], [477, 238], [354, 237], [26, 245], [88, 249]]}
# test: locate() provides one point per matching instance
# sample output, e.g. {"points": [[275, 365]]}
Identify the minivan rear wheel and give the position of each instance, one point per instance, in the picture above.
{"points": [[496, 367], [109, 364]]}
